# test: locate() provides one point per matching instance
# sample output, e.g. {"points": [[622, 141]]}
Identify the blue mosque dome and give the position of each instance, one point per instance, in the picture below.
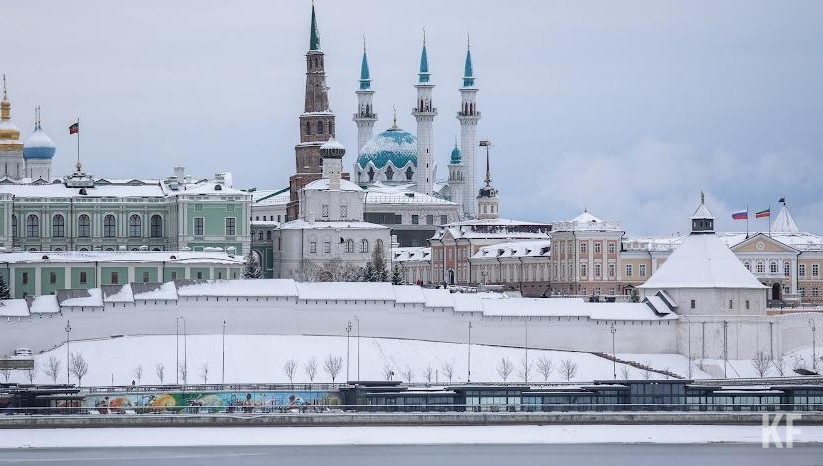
{"points": [[456, 157], [39, 145], [393, 145]]}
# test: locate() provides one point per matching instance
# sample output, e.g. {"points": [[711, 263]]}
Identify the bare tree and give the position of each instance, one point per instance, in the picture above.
{"points": [[545, 367], [204, 373], [336, 271], [647, 372], [448, 370], [79, 367], [308, 271], [53, 368], [761, 363], [524, 371], [289, 369], [6, 373], [625, 372], [780, 366], [428, 374], [568, 368], [31, 372], [408, 374], [138, 373], [310, 368], [333, 365], [388, 372], [504, 368], [183, 370], [160, 370]]}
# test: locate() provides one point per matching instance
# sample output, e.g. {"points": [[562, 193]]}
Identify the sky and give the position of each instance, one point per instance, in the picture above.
{"points": [[628, 109]]}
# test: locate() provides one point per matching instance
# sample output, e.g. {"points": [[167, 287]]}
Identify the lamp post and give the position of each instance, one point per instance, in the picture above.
{"points": [[357, 321], [177, 351], [526, 366], [223, 371], [469, 361], [68, 343], [814, 344], [348, 334], [185, 351], [613, 330]]}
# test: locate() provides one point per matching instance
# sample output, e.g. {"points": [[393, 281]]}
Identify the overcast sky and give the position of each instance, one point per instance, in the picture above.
{"points": [[627, 108]]}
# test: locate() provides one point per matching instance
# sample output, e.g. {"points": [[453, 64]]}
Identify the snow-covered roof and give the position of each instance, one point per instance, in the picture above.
{"points": [[92, 298], [270, 197], [702, 261], [323, 184], [784, 223], [148, 291], [409, 294], [117, 293], [320, 225], [494, 229], [14, 308], [586, 217], [515, 249], [411, 254], [702, 212], [379, 193], [174, 257], [586, 222], [45, 304]]}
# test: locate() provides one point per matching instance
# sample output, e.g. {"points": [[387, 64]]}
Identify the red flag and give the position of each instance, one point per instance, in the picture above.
{"points": [[74, 129]]}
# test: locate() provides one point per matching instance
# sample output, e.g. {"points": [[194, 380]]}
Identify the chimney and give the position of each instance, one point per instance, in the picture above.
{"points": [[332, 154], [180, 174]]}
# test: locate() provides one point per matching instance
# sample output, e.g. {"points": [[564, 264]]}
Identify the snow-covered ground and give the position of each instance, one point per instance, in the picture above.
{"points": [[261, 358], [433, 435]]}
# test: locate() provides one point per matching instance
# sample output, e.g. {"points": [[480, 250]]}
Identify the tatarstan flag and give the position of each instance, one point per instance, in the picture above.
{"points": [[764, 213]]}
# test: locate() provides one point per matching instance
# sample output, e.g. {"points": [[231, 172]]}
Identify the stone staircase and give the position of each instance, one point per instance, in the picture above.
{"points": [[639, 366]]}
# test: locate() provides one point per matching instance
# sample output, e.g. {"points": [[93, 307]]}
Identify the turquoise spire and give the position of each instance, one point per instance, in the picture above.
{"points": [[424, 63], [468, 72], [314, 41], [365, 78], [456, 157]]}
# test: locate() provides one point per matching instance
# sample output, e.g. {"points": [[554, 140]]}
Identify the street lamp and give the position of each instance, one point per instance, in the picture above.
{"points": [[185, 351], [348, 334], [469, 376], [614, 356], [177, 351], [68, 342], [814, 344], [526, 367], [357, 321], [223, 371]]}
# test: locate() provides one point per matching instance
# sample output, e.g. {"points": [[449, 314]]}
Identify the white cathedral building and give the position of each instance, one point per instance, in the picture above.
{"points": [[18, 159]]}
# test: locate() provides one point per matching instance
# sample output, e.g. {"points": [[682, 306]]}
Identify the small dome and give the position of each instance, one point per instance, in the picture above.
{"points": [[393, 145], [456, 157], [487, 191], [39, 146]]}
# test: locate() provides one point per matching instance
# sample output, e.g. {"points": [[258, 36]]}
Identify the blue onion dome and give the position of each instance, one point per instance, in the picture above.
{"points": [[39, 145], [456, 157], [393, 146]]}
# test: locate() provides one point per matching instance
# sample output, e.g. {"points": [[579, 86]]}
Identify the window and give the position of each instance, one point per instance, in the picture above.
{"points": [[199, 275], [344, 211], [761, 268], [52, 278], [731, 304], [32, 226], [389, 173], [156, 226], [801, 270], [629, 270], [268, 235], [58, 226], [772, 267], [815, 270], [415, 219], [379, 245], [174, 275], [260, 235], [692, 304], [748, 265], [611, 248], [319, 127], [308, 128], [597, 270], [198, 226], [747, 304], [14, 226], [83, 226], [145, 277], [611, 271], [114, 278], [327, 247], [313, 247], [219, 275], [444, 219], [83, 278], [25, 278], [583, 269], [349, 245], [786, 269], [109, 226], [364, 246], [584, 248], [135, 226], [324, 210], [230, 226], [642, 269], [429, 219], [597, 248], [815, 292]]}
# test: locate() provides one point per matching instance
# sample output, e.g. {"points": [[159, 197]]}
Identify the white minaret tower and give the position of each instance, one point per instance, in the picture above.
{"points": [[468, 117], [456, 177], [365, 116], [424, 112]]}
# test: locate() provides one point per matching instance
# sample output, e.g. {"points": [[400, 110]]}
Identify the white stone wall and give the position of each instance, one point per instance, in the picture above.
{"points": [[715, 301]]}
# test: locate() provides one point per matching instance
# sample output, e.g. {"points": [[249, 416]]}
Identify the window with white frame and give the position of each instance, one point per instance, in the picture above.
{"points": [[611, 271], [198, 225], [773, 267], [344, 211], [642, 270], [801, 270], [583, 269], [611, 248], [584, 247], [313, 247], [327, 247], [597, 247], [629, 270], [364, 245], [815, 270], [231, 226], [324, 209], [597, 270], [748, 265], [760, 267], [786, 269]]}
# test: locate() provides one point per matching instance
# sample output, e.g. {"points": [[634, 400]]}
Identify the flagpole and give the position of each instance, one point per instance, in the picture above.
{"points": [[78, 144], [747, 221]]}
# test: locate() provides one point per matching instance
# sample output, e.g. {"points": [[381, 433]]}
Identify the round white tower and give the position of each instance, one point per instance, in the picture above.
{"points": [[38, 151], [424, 112], [365, 116], [468, 117]]}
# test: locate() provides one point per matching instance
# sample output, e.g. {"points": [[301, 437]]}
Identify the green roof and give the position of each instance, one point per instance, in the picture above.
{"points": [[424, 66], [314, 41]]}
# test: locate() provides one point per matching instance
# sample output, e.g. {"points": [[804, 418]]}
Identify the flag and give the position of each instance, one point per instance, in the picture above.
{"points": [[75, 128], [764, 213], [782, 200], [741, 215]]}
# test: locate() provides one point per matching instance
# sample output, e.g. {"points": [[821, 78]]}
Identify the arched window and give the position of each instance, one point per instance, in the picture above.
{"points": [[379, 245], [773, 267], [135, 226], [109, 226], [364, 245], [308, 128], [14, 226], [371, 174], [786, 269], [747, 265], [83, 226], [389, 173], [32, 226], [409, 174], [349, 246], [260, 235], [319, 127], [761, 268], [156, 226], [58, 226], [268, 235]]}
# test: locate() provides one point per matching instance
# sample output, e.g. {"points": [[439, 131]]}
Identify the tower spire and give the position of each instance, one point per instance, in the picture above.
{"points": [[314, 40], [365, 76], [424, 63], [5, 95], [468, 71], [488, 171]]}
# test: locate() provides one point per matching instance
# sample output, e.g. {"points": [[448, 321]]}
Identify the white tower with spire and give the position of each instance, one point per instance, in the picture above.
{"points": [[424, 112], [365, 116], [456, 176], [488, 202], [468, 117]]}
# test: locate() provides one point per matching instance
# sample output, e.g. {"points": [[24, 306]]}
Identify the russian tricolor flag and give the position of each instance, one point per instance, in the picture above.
{"points": [[740, 215]]}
